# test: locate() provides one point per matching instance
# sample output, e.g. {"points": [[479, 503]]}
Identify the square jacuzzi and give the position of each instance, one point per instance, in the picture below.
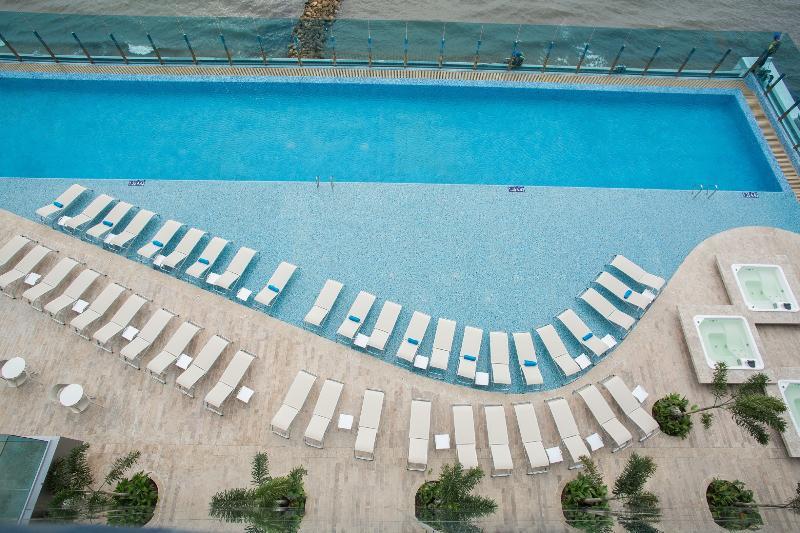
{"points": [[764, 288], [728, 339]]}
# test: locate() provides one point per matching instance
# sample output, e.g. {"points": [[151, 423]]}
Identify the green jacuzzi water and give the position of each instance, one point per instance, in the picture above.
{"points": [[764, 288], [791, 395], [727, 339]]}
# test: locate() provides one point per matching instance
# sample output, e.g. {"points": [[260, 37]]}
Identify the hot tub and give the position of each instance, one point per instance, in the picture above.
{"points": [[764, 287], [728, 339]]}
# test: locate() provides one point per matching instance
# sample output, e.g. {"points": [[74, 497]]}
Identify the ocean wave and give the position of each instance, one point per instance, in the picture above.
{"points": [[139, 49]]}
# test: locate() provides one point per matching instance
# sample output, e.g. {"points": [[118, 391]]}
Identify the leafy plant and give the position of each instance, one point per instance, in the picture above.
{"points": [[448, 504], [732, 506], [584, 500], [135, 501], [670, 413]]}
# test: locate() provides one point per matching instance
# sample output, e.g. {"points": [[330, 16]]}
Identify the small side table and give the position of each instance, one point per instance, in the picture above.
{"points": [[442, 441], [554, 455], [595, 442], [421, 362], [361, 341], [583, 361], [159, 260], [32, 278], [244, 394], [183, 361], [345, 422], [13, 371], [243, 294], [639, 393], [609, 341], [129, 333], [80, 306], [212, 278], [482, 379]]}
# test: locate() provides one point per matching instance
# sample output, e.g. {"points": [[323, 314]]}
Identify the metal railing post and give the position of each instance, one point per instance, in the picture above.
{"points": [[333, 47], [583, 56], [49, 51], [85, 52], [616, 60], [119, 48], [441, 46], [789, 110], [719, 63], [405, 48], [155, 48], [261, 49], [547, 55], [227, 52], [685, 61], [191, 50], [13, 50], [650, 62], [369, 46], [774, 83], [298, 50]]}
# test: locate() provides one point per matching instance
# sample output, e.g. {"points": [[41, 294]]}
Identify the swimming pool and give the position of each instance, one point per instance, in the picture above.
{"points": [[416, 131], [764, 287], [727, 339]]}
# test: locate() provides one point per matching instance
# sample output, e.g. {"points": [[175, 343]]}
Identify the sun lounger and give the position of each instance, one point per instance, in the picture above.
{"points": [[384, 326], [497, 432], [568, 430], [109, 221], [470, 351], [605, 416], [368, 422], [528, 425], [419, 429], [207, 258], [119, 321], [498, 353], [96, 309], [582, 333], [294, 401], [558, 352], [464, 432], [158, 365], [637, 273], [134, 350], [607, 310], [135, 227], [161, 239], [356, 315], [630, 406], [413, 336], [442, 343], [60, 204], [526, 356], [92, 211], [623, 292], [49, 282], [71, 294], [183, 249], [233, 273], [11, 279], [275, 285], [11, 249], [324, 303], [324, 410], [228, 382], [201, 364]]}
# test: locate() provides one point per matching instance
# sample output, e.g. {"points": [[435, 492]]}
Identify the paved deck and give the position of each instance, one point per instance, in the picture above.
{"points": [[193, 453]]}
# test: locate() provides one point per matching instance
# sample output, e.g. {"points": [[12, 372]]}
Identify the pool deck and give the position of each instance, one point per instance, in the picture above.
{"points": [[193, 453]]}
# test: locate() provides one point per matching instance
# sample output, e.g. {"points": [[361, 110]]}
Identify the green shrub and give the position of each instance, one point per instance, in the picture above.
{"points": [[580, 514], [135, 503], [447, 504], [664, 411], [728, 502]]}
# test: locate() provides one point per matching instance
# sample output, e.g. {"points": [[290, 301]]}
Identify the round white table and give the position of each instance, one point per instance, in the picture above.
{"points": [[13, 369], [71, 395]]}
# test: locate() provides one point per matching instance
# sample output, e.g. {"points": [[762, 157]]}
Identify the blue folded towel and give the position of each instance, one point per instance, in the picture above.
{"points": [[108, 223], [470, 358], [528, 362], [273, 288], [203, 260], [627, 293], [354, 319], [158, 243], [58, 204], [413, 341], [587, 336]]}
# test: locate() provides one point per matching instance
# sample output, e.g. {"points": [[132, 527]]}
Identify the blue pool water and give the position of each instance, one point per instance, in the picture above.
{"points": [[379, 132]]}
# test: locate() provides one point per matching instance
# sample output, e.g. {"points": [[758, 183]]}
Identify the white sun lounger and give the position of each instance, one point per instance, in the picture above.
{"points": [[158, 365], [183, 249], [119, 321], [62, 203], [135, 227], [607, 310], [497, 432], [134, 350], [235, 270], [470, 351], [71, 294], [419, 430], [630, 406], [324, 410], [201, 364], [526, 356], [12, 278], [368, 422], [207, 258], [12, 248], [582, 333], [276, 283], [442, 343], [228, 382], [528, 425], [97, 309], [92, 211], [558, 352], [324, 303], [384, 326], [464, 433], [293, 402], [613, 285], [356, 315], [637, 273], [109, 221], [161, 239], [568, 430], [498, 353], [605, 416], [413, 337], [49, 282]]}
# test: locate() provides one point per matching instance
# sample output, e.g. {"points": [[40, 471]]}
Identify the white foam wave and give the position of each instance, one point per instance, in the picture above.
{"points": [[139, 49]]}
